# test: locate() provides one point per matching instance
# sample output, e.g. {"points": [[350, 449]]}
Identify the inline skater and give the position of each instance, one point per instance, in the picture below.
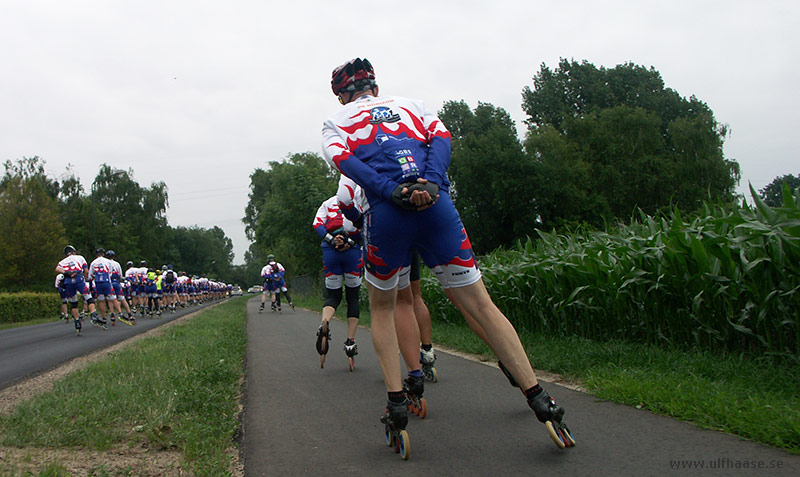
{"points": [[267, 287], [100, 274], [399, 153], [169, 284], [117, 279], [76, 271], [276, 274], [151, 292], [62, 293], [354, 205], [342, 262]]}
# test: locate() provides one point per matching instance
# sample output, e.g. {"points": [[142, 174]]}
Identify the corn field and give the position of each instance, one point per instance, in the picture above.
{"points": [[727, 279]]}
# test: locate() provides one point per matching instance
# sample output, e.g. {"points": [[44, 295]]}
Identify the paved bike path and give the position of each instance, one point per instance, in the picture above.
{"points": [[300, 419]]}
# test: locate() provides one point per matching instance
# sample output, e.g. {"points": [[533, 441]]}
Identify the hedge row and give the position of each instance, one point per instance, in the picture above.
{"points": [[26, 306]]}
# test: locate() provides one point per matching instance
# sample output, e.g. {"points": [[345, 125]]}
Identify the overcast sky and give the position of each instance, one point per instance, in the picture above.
{"points": [[199, 94]]}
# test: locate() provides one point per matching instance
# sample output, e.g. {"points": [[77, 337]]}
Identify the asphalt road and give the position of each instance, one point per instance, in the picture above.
{"points": [[300, 419], [29, 350]]}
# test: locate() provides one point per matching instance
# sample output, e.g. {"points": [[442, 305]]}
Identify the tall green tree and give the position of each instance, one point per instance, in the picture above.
{"points": [[280, 212], [490, 175], [772, 193], [629, 141], [31, 235]]}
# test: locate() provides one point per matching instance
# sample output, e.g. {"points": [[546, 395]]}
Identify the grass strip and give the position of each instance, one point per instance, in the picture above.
{"points": [[755, 398], [178, 390]]}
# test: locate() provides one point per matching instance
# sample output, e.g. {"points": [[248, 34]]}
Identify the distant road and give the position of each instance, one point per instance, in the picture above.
{"points": [[29, 350]]}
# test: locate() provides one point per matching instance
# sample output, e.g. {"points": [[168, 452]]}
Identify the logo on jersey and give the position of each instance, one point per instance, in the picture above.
{"points": [[382, 114]]}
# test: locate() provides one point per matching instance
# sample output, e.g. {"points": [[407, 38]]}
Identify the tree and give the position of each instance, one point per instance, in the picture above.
{"points": [[490, 174], [772, 193], [281, 207], [627, 140], [31, 236]]}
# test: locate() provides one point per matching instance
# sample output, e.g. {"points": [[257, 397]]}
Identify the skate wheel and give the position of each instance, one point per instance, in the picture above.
{"points": [[423, 408], [569, 440], [351, 364], [432, 375], [404, 444]]}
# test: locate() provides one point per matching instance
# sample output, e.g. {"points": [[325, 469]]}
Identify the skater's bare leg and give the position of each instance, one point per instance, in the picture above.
{"points": [[407, 328], [501, 334], [384, 336]]}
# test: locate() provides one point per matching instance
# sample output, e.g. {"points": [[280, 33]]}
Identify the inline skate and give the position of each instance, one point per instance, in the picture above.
{"points": [[551, 414], [427, 359], [414, 387], [395, 419], [351, 350], [323, 338]]}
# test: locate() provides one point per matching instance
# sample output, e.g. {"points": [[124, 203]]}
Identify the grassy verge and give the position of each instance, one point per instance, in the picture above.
{"points": [[39, 321], [758, 399], [176, 391]]}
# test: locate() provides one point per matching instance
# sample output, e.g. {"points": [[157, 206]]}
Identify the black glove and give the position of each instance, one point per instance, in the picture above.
{"points": [[403, 200], [430, 187], [359, 222]]}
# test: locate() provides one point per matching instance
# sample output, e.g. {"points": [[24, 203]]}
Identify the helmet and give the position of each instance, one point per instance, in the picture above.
{"points": [[110, 254], [143, 263], [163, 267], [129, 264], [355, 75], [100, 251], [270, 257], [69, 250]]}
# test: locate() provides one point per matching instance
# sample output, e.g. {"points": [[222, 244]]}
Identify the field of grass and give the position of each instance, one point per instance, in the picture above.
{"points": [[176, 391]]}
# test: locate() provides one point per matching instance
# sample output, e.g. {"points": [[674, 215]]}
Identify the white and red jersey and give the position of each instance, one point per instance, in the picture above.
{"points": [[141, 275], [100, 270], [382, 142], [265, 271], [116, 270], [131, 273], [329, 219], [73, 265]]}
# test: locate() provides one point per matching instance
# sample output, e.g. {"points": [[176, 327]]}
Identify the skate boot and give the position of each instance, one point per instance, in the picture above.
{"points": [[261, 308], [78, 325], [507, 374], [323, 338], [427, 359], [551, 414], [113, 320], [350, 349], [414, 386], [274, 308], [291, 305], [395, 419], [64, 317]]}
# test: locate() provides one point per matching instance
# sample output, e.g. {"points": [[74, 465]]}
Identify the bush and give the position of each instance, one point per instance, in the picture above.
{"points": [[27, 306]]}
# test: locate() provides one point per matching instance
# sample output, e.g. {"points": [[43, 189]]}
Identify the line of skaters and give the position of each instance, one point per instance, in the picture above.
{"points": [[109, 293]]}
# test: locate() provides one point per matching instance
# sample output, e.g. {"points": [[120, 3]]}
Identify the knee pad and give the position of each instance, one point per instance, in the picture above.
{"points": [[353, 309], [334, 297], [90, 301], [73, 305]]}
